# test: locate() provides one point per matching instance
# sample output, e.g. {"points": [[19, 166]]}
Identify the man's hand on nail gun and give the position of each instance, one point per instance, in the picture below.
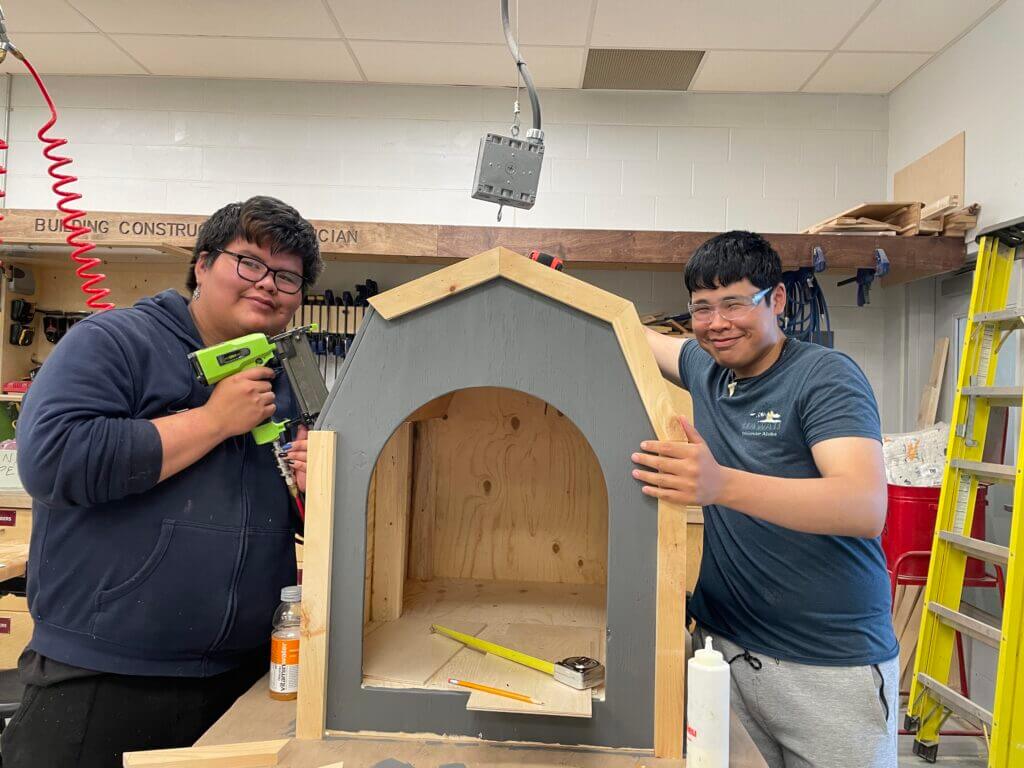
{"points": [[684, 473], [241, 402], [297, 456]]}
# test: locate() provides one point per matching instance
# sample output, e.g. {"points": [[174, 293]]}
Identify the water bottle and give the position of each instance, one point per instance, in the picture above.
{"points": [[284, 646], [707, 709]]}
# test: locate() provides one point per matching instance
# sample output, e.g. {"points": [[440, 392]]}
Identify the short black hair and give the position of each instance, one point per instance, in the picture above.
{"points": [[730, 257], [265, 221]]}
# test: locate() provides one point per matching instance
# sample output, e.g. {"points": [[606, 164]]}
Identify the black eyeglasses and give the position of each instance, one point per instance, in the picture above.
{"points": [[252, 269]]}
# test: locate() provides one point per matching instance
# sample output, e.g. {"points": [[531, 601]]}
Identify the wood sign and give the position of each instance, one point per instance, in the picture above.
{"points": [[149, 230], [911, 258]]}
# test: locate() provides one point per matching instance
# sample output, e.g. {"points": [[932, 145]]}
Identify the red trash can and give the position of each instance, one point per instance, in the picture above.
{"points": [[910, 526]]}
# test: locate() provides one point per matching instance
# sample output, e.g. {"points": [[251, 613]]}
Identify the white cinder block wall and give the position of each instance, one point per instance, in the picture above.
{"points": [[695, 161]]}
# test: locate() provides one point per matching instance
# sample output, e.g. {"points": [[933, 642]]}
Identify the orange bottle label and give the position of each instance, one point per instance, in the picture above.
{"points": [[284, 665]]}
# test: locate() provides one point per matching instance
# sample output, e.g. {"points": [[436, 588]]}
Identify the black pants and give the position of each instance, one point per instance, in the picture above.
{"points": [[89, 722]]}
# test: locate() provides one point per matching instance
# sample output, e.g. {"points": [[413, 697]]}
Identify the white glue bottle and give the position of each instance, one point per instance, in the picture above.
{"points": [[707, 709], [284, 646]]}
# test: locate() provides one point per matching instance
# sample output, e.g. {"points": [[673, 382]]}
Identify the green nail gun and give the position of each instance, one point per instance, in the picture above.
{"points": [[289, 350]]}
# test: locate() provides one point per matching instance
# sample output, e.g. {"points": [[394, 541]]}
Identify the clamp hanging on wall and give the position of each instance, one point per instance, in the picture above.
{"points": [[865, 276], [818, 259]]}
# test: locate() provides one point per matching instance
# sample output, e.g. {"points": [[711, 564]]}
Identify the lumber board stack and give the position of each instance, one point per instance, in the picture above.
{"points": [[945, 216]]}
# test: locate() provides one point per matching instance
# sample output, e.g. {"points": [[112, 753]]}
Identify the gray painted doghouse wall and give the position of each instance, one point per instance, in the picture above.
{"points": [[494, 335]]}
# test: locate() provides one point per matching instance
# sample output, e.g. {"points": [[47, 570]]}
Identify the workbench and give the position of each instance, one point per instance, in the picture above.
{"points": [[257, 717]]}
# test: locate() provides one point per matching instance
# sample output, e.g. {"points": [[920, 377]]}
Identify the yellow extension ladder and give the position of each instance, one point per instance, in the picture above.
{"points": [[932, 701]]}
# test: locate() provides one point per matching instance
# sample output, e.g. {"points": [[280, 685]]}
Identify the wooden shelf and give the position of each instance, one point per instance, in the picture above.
{"points": [[33, 235]]}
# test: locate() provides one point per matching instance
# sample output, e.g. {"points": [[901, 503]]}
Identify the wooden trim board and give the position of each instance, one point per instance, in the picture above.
{"points": [[393, 485], [928, 408], [170, 238], [256, 754], [316, 587], [670, 661]]}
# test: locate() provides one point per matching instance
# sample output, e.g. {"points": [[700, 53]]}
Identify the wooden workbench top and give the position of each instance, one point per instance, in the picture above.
{"points": [[16, 499], [13, 560], [257, 717]]}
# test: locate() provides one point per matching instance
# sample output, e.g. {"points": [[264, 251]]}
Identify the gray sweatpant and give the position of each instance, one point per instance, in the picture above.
{"points": [[803, 716]]}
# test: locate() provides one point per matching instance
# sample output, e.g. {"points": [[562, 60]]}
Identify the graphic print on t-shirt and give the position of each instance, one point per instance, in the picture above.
{"points": [[766, 423]]}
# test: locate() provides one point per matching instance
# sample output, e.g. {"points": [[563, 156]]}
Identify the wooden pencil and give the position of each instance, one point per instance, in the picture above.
{"points": [[496, 691]]}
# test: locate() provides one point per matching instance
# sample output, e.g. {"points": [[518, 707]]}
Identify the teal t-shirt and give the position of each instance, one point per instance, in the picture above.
{"points": [[800, 597]]}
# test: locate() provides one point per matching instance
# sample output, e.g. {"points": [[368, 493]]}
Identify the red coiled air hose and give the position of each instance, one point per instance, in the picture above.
{"points": [[77, 232]]}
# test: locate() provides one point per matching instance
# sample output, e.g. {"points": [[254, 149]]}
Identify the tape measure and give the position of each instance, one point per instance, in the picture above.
{"points": [[579, 672]]}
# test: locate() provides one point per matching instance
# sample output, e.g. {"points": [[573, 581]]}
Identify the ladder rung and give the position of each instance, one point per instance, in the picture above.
{"points": [[1005, 473], [1007, 318], [954, 701], [983, 550], [997, 395], [979, 630]]}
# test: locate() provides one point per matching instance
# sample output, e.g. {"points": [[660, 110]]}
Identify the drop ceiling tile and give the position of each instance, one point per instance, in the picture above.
{"points": [[43, 16], [463, 21], [910, 25], [71, 54], [865, 72], [755, 70], [242, 58], [230, 18], [714, 24], [459, 64]]}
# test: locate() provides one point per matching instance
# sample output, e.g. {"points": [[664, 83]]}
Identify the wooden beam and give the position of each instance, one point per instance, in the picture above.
{"points": [[162, 230], [256, 754], [316, 587], [671, 250], [430, 244]]}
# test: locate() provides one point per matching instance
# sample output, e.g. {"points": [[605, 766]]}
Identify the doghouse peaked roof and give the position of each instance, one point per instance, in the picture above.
{"points": [[583, 297]]}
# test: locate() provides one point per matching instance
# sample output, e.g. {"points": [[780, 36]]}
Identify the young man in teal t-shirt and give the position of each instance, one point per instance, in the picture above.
{"points": [[785, 457]]}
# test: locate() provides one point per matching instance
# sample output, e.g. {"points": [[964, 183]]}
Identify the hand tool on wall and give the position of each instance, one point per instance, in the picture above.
{"points": [[547, 260], [580, 672], [339, 337], [347, 303], [866, 276], [329, 329]]}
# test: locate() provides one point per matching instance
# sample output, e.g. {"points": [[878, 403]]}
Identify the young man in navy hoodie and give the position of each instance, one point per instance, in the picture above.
{"points": [[162, 534], [785, 456]]}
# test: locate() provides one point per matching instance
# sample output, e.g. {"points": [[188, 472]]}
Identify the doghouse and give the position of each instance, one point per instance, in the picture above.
{"points": [[472, 469]]}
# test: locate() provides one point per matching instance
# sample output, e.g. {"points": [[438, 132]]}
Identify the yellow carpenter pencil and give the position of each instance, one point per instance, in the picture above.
{"points": [[495, 691]]}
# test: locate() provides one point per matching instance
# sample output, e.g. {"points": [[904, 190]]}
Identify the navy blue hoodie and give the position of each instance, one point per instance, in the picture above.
{"points": [[128, 575]]}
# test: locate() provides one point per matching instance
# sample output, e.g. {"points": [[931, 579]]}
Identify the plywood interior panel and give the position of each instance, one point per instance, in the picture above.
{"points": [[551, 697], [935, 175], [517, 495], [406, 651], [550, 621]]}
